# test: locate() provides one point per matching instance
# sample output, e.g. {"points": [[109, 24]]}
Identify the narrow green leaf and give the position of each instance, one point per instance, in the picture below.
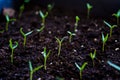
{"points": [[28, 33], [37, 68], [113, 65], [30, 66], [77, 66]]}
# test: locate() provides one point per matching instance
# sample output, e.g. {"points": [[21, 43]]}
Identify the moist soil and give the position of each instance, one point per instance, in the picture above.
{"points": [[86, 40]]}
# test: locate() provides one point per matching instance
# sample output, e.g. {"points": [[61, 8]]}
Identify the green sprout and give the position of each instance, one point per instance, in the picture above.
{"points": [[71, 35], [111, 27], [22, 7], [114, 65], [25, 35], [117, 15], [104, 40], [12, 47], [81, 68], [43, 16], [45, 55], [8, 21], [60, 44], [33, 70], [93, 55], [89, 7], [76, 23], [50, 7]]}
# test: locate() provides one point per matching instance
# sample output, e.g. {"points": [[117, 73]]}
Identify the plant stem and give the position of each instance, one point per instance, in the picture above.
{"points": [[24, 43], [88, 14], [7, 23], [80, 75], [31, 75], [110, 32], [117, 20], [45, 59], [59, 49]]}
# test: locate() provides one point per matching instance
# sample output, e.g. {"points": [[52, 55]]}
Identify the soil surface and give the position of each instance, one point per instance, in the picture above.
{"points": [[86, 40]]}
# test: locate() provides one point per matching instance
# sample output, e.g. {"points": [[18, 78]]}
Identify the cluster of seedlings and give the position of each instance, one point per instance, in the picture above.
{"points": [[14, 45]]}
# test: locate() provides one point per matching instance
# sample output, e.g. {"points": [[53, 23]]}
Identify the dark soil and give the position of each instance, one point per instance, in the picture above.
{"points": [[88, 38]]}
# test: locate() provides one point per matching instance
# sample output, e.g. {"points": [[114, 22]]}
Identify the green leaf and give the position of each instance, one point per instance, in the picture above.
{"points": [[114, 65], [107, 24], [30, 66], [21, 31], [41, 14], [89, 6], [28, 33], [15, 46], [77, 66], [77, 18], [83, 66], [37, 68], [7, 17], [71, 33]]}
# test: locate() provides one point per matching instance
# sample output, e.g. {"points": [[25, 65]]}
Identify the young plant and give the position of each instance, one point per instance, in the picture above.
{"points": [[71, 35], [89, 7], [114, 65], [104, 40], [117, 15], [81, 68], [76, 23], [93, 55], [45, 55], [60, 44], [22, 7], [33, 70], [8, 21], [25, 35], [50, 7], [111, 27], [12, 47], [43, 16]]}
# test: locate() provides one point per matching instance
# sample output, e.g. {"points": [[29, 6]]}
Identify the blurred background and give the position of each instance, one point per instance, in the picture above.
{"points": [[100, 7]]}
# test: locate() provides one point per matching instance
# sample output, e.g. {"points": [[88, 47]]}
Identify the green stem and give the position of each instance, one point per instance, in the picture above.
{"points": [[31, 75], [45, 59], [59, 49], [110, 32], [80, 75], [7, 23], [70, 38], [88, 14], [24, 43], [103, 46], [20, 14]]}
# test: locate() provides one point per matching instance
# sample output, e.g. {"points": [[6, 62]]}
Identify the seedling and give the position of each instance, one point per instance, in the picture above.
{"points": [[104, 40], [81, 68], [76, 23], [33, 70], [71, 35], [93, 55], [114, 65], [89, 7], [45, 55], [2, 31], [60, 44], [117, 15], [25, 35], [12, 47], [111, 27], [22, 7], [43, 16], [8, 21], [50, 7]]}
